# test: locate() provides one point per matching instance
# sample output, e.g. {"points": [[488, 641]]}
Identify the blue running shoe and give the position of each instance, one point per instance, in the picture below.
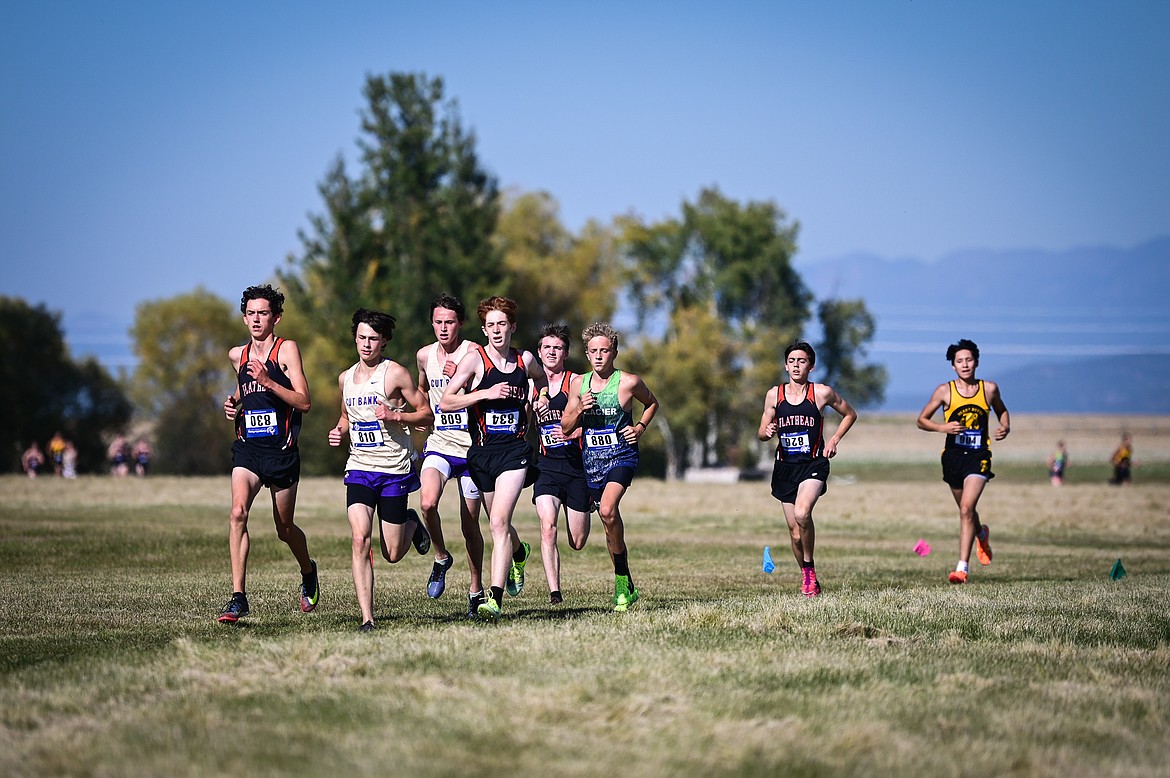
{"points": [[235, 610], [438, 581]]}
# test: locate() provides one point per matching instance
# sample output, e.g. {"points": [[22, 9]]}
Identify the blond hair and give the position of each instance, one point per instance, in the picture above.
{"points": [[600, 329]]}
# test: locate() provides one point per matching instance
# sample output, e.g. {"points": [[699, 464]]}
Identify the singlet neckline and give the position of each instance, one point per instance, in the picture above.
{"points": [[803, 395], [593, 374], [353, 376], [252, 350], [556, 383], [978, 386], [512, 352], [442, 352]]}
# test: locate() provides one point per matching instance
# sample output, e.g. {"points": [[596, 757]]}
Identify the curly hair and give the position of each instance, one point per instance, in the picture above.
{"points": [[963, 345], [600, 329], [274, 297]]}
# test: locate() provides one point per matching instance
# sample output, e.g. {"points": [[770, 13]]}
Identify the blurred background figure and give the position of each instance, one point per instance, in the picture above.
{"points": [[1122, 461], [119, 456], [141, 457], [1057, 463], [57, 452], [69, 460], [32, 460]]}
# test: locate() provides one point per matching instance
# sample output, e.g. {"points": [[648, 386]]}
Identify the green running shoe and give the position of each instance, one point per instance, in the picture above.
{"points": [[624, 593], [515, 583], [488, 610]]}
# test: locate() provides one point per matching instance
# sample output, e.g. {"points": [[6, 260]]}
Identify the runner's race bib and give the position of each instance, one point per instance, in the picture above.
{"points": [[450, 420], [366, 434], [602, 437], [502, 422], [551, 436], [795, 443], [260, 423], [969, 439]]}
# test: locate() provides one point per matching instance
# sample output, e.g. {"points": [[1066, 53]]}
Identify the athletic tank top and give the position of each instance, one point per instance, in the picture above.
{"points": [[607, 418], [374, 446], [494, 422], [550, 448], [800, 427], [450, 435], [264, 419], [973, 413]]}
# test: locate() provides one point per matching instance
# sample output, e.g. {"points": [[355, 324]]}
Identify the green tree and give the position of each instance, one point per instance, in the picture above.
{"points": [[846, 326], [556, 277], [44, 391], [416, 221], [183, 376], [721, 279], [693, 373]]}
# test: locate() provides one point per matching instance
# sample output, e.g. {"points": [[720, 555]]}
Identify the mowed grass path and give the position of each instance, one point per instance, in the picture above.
{"points": [[111, 662]]}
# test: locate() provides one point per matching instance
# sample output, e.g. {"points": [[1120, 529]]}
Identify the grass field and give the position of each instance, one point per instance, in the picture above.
{"points": [[111, 662]]}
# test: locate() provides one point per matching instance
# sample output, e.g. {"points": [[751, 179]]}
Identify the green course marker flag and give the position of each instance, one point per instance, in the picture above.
{"points": [[1118, 571]]}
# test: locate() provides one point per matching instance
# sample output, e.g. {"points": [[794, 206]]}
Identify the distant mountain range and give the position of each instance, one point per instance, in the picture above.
{"points": [[1084, 330]]}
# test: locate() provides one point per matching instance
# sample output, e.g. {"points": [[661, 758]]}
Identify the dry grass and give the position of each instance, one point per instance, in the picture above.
{"points": [[112, 665]]}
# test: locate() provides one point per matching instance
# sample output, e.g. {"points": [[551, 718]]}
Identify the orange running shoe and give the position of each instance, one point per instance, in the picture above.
{"points": [[957, 577], [982, 546]]}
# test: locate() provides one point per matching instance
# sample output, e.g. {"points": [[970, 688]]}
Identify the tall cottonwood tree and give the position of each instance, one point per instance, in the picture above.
{"points": [[846, 327], [556, 277], [415, 221], [719, 284]]}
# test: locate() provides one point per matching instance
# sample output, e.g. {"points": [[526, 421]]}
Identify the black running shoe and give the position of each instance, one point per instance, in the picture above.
{"points": [[366, 627], [421, 539], [473, 603], [310, 590], [235, 610]]}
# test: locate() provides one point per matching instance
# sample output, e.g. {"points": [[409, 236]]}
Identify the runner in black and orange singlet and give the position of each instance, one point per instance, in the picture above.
{"points": [[561, 477], [499, 456], [271, 394], [795, 412]]}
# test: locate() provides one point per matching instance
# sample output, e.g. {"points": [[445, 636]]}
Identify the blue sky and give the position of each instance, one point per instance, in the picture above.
{"points": [[148, 148]]}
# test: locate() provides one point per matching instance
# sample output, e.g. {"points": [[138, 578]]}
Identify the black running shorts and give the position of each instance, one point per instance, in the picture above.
{"points": [[788, 476], [563, 481], [958, 465], [276, 468], [487, 463]]}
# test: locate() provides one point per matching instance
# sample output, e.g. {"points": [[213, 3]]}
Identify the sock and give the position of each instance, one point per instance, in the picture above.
{"points": [[961, 567], [518, 554], [498, 594], [809, 563], [476, 595], [621, 564]]}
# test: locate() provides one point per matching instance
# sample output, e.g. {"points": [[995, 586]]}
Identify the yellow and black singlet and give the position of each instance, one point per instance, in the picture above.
{"points": [[974, 413]]}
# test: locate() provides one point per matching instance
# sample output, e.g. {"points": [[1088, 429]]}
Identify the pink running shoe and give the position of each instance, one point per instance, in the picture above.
{"points": [[810, 586]]}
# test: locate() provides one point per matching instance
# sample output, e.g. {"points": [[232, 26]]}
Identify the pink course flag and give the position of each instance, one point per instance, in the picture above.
{"points": [[922, 548]]}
